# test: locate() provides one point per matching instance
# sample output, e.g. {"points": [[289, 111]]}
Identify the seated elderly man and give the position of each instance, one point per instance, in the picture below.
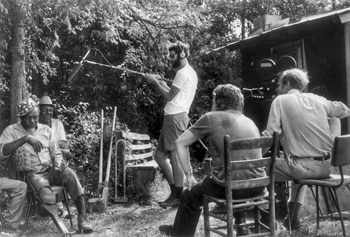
{"points": [[45, 117], [226, 118], [16, 190], [305, 135], [46, 166]]}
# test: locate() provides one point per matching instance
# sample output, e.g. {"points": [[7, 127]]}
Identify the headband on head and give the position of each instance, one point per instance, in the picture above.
{"points": [[27, 105]]}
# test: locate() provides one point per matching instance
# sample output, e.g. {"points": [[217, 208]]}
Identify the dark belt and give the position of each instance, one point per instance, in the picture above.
{"points": [[321, 158]]}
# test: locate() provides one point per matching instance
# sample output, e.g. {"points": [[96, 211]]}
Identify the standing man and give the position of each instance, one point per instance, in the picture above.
{"points": [[46, 167], [302, 121], [179, 98]]}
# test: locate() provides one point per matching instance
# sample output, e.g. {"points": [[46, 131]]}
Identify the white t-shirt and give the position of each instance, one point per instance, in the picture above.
{"points": [[186, 80]]}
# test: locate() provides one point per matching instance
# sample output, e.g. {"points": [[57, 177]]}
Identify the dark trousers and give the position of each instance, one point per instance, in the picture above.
{"points": [[189, 211], [45, 176]]}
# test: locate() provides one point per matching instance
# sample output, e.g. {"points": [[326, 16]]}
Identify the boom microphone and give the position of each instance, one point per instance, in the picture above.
{"points": [[77, 67]]}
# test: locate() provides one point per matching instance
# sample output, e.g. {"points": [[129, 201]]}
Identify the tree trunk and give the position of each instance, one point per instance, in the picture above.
{"points": [[18, 75]]}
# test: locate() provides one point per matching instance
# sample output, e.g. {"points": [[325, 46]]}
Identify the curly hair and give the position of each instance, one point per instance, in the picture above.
{"points": [[179, 47], [228, 96], [297, 78]]}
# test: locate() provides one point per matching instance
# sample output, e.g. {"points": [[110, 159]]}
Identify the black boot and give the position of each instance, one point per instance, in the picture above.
{"points": [[240, 219], [84, 226], [295, 223]]}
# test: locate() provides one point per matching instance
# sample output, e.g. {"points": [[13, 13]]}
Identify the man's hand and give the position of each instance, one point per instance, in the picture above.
{"points": [[152, 78], [35, 143], [191, 181]]}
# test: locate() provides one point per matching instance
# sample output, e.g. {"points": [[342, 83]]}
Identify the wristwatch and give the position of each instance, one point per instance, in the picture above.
{"points": [[188, 172]]}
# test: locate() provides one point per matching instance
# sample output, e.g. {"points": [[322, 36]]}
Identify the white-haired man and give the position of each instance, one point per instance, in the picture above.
{"points": [[302, 121], [46, 167]]}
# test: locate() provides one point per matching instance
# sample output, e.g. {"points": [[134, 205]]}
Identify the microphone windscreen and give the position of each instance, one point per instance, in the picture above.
{"points": [[75, 71]]}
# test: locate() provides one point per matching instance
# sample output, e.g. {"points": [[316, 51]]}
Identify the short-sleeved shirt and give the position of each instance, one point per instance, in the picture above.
{"points": [[58, 130], [49, 155], [213, 127], [186, 80], [302, 121]]}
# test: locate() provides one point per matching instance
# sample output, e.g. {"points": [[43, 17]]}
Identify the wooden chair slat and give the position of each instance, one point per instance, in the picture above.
{"points": [[135, 136], [140, 147], [140, 156], [251, 164], [252, 183]]}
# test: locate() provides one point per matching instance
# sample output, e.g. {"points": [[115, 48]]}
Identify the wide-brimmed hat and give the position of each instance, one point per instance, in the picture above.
{"points": [[45, 100], [27, 105]]}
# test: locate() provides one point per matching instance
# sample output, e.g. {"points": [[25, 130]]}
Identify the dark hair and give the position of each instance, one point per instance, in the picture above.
{"points": [[179, 47], [228, 96]]}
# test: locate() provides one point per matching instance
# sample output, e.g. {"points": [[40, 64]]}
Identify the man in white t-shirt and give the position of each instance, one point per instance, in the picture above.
{"points": [[179, 98]]}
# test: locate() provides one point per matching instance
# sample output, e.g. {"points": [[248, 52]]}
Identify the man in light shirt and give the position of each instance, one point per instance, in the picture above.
{"points": [[179, 98], [37, 142], [302, 121]]}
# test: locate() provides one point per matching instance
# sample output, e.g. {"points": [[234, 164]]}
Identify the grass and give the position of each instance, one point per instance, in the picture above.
{"points": [[131, 219]]}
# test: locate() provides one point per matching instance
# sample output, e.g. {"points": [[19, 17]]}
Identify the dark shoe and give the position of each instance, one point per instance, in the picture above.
{"points": [[174, 202], [295, 224], [169, 199], [220, 208], [166, 229], [241, 231], [83, 225]]}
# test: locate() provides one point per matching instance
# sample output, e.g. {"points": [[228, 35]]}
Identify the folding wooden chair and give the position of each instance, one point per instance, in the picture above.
{"points": [[340, 158], [51, 209], [254, 203]]}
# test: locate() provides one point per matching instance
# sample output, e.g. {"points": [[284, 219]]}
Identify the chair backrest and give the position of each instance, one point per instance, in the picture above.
{"points": [[341, 151], [140, 146], [260, 162]]}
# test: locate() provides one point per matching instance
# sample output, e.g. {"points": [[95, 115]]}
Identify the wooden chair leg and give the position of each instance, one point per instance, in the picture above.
{"points": [[68, 208], [286, 196], [230, 224], [257, 219], [30, 206], [1, 217], [206, 217]]}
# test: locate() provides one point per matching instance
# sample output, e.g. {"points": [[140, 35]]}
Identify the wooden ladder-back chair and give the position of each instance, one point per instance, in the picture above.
{"points": [[340, 158], [254, 203]]}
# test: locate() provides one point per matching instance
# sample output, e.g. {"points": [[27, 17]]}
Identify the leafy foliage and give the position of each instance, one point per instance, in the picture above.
{"points": [[133, 35]]}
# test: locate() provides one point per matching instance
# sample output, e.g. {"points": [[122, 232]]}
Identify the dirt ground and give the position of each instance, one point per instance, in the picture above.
{"points": [[131, 219]]}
